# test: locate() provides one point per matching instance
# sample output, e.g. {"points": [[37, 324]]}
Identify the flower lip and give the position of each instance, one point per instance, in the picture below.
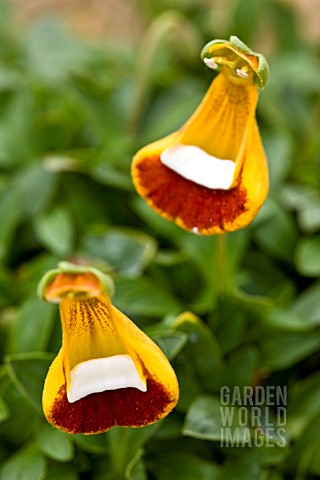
{"points": [[242, 63]]}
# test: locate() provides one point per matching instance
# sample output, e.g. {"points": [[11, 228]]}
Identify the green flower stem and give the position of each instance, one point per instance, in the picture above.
{"points": [[178, 29], [222, 263], [118, 443]]}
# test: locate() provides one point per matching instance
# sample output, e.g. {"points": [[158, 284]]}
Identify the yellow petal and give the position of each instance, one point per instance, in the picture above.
{"points": [[220, 123], [254, 176], [88, 330], [143, 349]]}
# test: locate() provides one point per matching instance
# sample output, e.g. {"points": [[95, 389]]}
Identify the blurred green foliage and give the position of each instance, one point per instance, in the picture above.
{"points": [[72, 115]]}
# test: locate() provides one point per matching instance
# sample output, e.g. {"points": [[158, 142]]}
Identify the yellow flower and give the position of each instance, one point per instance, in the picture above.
{"points": [[211, 176], [107, 372]]}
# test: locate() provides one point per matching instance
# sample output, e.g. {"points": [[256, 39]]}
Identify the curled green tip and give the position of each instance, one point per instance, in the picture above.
{"points": [[239, 52], [205, 50]]}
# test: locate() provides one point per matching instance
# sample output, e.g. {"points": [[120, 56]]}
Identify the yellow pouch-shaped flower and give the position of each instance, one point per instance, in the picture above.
{"points": [[211, 176], [108, 372]]}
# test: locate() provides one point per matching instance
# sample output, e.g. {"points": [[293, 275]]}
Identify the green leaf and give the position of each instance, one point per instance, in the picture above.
{"points": [[231, 328], [309, 217], [23, 423], [10, 79], [61, 472], [158, 224], [234, 425], [126, 445], [202, 251], [10, 214], [112, 176], [304, 404], [52, 54], [242, 471], [287, 320], [284, 351], [250, 462], [17, 125], [55, 230], [170, 110], [204, 419], [254, 304], [170, 343], [273, 475], [203, 371], [183, 466], [28, 371], [32, 327], [144, 297], [296, 196], [26, 464], [305, 453], [298, 70], [306, 201], [307, 258], [307, 305], [262, 278], [128, 251], [170, 429], [136, 469], [32, 272], [7, 293], [279, 148], [241, 367], [4, 411], [55, 444], [277, 236], [202, 347], [35, 187], [96, 444]]}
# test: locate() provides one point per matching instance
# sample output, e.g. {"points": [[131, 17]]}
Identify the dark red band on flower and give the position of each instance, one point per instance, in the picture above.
{"points": [[196, 206], [126, 407]]}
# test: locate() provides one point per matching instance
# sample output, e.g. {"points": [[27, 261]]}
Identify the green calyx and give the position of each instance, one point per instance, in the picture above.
{"points": [[263, 71], [67, 267], [238, 56], [240, 46]]}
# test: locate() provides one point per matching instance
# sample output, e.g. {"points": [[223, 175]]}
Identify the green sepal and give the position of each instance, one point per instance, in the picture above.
{"points": [[240, 46], [263, 71], [67, 267]]}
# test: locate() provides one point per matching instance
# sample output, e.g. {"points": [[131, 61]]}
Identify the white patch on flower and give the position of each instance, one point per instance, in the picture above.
{"points": [[100, 374], [195, 164]]}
